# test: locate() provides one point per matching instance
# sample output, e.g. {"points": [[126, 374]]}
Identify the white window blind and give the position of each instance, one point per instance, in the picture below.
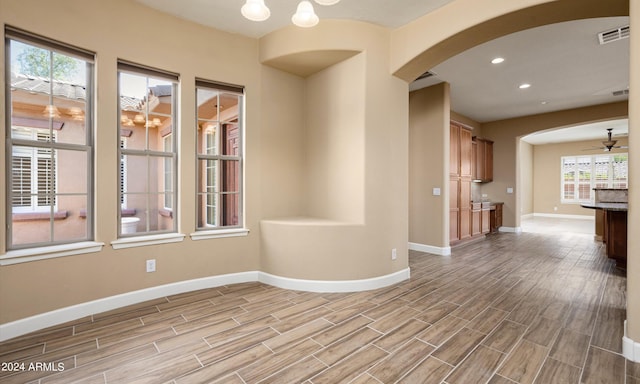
{"points": [[581, 174]]}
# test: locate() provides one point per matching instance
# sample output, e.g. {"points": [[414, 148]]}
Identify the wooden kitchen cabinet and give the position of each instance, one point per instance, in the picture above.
{"points": [[454, 210], [482, 160], [460, 172], [495, 219], [476, 219], [486, 218], [465, 209], [615, 236]]}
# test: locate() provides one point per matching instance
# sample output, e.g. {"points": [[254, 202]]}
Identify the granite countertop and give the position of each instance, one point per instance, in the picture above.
{"points": [[607, 206], [488, 205]]}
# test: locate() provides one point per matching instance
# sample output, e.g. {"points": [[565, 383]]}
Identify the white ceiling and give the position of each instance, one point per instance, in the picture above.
{"points": [[225, 14], [593, 131], [564, 63]]}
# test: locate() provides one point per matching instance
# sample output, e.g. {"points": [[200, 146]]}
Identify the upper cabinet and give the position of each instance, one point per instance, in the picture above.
{"points": [[461, 156], [482, 168]]}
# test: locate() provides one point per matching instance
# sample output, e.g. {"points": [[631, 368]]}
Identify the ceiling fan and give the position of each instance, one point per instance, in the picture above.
{"points": [[609, 144]]}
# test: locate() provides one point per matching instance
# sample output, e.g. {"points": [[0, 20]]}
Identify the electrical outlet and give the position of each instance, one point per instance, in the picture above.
{"points": [[151, 265], [394, 254]]}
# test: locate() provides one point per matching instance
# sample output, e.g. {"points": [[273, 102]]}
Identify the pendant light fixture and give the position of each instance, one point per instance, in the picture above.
{"points": [[305, 16], [327, 2], [255, 10]]}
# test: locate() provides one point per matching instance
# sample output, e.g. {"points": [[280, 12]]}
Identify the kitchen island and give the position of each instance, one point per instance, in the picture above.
{"points": [[614, 229]]}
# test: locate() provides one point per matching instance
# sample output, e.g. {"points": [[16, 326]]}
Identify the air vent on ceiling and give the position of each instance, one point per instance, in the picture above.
{"points": [[613, 35], [425, 75], [621, 92]]}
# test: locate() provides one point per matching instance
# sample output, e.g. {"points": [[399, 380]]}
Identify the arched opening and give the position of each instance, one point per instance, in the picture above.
{"points": [[496, 108], [451, 40]]}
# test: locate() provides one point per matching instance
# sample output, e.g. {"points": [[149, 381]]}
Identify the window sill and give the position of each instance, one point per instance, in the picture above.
{"points": [[219, 233], [141, 241], [166, 213], [41, 253], [27, 216]]}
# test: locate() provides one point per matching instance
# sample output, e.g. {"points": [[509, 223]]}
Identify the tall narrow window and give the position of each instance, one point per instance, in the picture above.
{"points": [[147, 99], [49, 166], [581, 174], [219, 151]]}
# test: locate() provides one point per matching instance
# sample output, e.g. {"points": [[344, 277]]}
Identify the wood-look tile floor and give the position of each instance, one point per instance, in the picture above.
{"points": [[514, 308]]}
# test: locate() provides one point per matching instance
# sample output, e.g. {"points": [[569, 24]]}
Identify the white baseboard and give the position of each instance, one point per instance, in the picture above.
{"points": [[335, 286], [560, 216], [630, 348], [63, 315], [442, 251], [510, 229]]}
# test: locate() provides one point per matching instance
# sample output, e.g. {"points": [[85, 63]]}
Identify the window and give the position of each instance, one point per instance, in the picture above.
{"points": [[581, 174], [33, 172], [148, 155], [219, 151], [50, 163]]}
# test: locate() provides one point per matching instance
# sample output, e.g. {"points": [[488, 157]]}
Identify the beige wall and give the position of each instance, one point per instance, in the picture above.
{"points": [[526, 177], [282, 142], [120, 29], [335, 131], [429, 114], [633, 246], [547, 175], [324, 142], [353, 164]]}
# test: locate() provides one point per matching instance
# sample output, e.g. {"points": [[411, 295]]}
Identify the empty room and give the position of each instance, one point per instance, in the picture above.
{"points": [[325, 191]]}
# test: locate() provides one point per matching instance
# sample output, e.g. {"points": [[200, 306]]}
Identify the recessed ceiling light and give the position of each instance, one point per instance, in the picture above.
{"points": [[524, 86], [544, 102], [497, 60]]}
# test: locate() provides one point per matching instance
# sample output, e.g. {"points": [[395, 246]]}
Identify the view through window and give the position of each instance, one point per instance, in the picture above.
{"points": [[148, 153], [219, 151], [581, 174], [50, 161]]}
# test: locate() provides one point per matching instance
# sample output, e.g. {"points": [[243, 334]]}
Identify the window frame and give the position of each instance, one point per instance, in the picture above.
{"points": [[168, 188], [87, 58], [593, 181], [208, 230], [174, 78]]}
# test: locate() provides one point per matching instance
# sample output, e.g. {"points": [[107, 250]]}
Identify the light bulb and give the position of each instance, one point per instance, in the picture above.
{"points": [[255, 10], [327, 2], [305, 16], [51, 111]]}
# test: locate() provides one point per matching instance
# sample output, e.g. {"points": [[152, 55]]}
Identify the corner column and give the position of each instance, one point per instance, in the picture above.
{"points": [[631, 339]]}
